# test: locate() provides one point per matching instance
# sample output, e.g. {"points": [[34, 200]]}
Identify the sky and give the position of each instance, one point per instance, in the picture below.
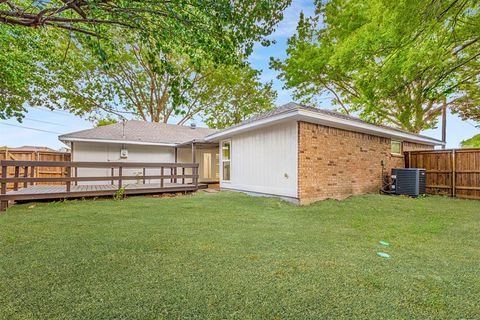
{"points": [[50, 124]]}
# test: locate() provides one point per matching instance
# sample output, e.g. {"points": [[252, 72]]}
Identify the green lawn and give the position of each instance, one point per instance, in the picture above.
{"points": [[228, 255]]}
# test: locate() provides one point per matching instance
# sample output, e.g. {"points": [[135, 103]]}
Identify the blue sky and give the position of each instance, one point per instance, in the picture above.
{"points": [[59, 122]]}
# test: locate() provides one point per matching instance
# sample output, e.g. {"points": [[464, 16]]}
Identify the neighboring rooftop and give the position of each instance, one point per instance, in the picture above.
{"points": [[139, 132], [29, 148]]}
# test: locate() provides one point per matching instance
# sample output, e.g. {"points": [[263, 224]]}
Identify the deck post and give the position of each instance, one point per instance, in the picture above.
{"points": [[120, 177], [195, 179], [69, 175], [76, 175], [144, 175], [183, 173], [17, 173], [113, 173], [32, 174], [194, 159], [176, 161], [162, 171], [25, 175], [3, 189]]}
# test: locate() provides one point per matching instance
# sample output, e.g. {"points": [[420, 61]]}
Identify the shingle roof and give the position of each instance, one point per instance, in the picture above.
{"points": [[135, 131], [293, 106]]}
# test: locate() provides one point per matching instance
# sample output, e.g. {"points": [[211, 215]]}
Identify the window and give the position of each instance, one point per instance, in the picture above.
{"points": [[226, 148], [396, 147]]}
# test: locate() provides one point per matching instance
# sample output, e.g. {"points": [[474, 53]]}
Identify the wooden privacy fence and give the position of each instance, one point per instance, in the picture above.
{"points": [[90, 179], [30, 155], [452, 172]]}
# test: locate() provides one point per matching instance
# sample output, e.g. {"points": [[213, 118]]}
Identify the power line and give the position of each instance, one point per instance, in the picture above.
{"points": [[57, 111], [29, 128], [47, 122], [468, 122]]}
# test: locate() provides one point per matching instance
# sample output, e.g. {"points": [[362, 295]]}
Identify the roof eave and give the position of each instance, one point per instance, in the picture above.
{"points": [[65, 139], [309, 116], [278, 118], [315, 117]]}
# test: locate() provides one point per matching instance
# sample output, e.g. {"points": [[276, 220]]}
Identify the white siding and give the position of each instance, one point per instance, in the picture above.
{"points": [[265, 160], [104, 152]]}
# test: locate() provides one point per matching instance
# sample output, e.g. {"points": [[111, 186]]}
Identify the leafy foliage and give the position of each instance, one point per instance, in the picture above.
{"points": [[105, 122], [22, 74], [134, 80], [35, 59], [231, 94], [392, 62], [473, 142], [221, 26]]}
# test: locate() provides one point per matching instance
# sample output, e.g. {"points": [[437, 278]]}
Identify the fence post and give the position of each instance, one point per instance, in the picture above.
{"points": [[454, 175], [3, 189]]}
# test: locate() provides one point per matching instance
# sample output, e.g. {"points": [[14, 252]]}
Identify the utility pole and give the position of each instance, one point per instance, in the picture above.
{"points": [[444, 121]]}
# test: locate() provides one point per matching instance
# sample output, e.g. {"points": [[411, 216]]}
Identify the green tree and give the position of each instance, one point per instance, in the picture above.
{"points": [[21, 77], [137, 81], [105, 122], [473, 142], [231, 94], [393, 62], [221, 31]]}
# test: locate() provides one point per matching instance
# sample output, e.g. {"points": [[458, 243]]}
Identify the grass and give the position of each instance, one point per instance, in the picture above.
{"points": [[228, 255]]}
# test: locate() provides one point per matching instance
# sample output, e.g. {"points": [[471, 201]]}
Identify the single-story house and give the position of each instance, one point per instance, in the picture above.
{"points": [[296, 152]]}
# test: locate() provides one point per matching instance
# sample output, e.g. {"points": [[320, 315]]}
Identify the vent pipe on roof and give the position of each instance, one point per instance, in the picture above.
{"points": [[193, 125]]}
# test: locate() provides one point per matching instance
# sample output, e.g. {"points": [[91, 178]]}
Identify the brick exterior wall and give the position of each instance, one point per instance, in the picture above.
{"points": [[335, 163]]}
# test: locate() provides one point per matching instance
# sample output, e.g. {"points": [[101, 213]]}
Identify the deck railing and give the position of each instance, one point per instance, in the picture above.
{"points": [[167, 177]]}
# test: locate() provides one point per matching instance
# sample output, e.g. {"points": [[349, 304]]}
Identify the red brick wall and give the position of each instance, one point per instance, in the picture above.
{"points": [[335, 163]]}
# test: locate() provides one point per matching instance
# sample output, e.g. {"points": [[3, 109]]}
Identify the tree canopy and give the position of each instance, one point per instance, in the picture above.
{"points": [[473, 142], [157, 86], [38, 40], [393, 62], [219, 26]]}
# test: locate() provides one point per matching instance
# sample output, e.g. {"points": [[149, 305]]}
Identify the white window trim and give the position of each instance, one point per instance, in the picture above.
{"points": [[229, 160]]}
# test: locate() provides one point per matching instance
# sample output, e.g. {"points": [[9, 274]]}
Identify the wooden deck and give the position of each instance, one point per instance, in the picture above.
{"points": [[80, 191], [155, 178]]}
